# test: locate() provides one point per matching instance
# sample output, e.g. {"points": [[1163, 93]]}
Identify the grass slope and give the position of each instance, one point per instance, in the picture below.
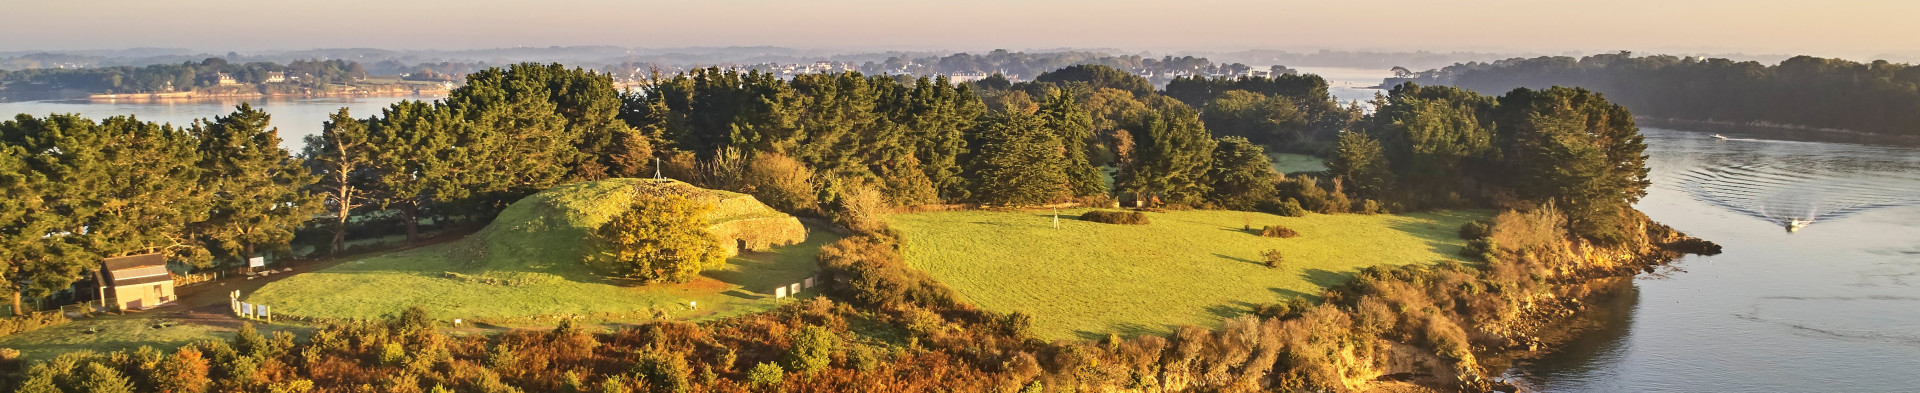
{"points": [[525, 269], [1088, 279]]}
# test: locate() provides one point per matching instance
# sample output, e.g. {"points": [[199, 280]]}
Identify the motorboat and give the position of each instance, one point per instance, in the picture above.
{"points": [[1720, 137], [1794, 224]]}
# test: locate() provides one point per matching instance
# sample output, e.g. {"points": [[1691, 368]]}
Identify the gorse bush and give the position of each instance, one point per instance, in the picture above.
{"points": [[1476, 229], [658, 239], [30, 322], [1115, 217], [1279, 232], [868, 270], [1273, 258]]}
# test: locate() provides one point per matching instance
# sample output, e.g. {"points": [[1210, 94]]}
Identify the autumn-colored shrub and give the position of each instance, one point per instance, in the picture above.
{"points": [[1279, 232]]}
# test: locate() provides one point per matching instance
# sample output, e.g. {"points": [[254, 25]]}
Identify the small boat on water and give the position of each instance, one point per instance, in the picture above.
{"points": [[1794, 224], [1720, 137]]}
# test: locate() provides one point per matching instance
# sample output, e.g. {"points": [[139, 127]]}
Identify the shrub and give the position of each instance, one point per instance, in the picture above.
{"points": [[766, 376], [1289, 208], [665, 372], [1273, 257], [1476, 229], [1482, 248], [868, 270], [781, 182], [1114, 217], [30, 322], [1279, 232], [1369, 206], [658, 239], [1540, 228], [812, 350]]}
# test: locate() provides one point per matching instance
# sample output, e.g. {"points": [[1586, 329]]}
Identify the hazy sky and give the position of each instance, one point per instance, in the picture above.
{"points": [[1849, 28]]}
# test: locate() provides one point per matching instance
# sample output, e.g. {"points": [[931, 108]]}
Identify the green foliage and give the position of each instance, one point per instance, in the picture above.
{"points": [[1018, 161], [1171, 155], [1098, 77], [1074, 127], [259, 194], [1114, 217], [1573, 147], [1817, 93], [1268, 120], [1476, 229], [659, 239], [341, 156], [868, 270], [100, 378], [1359, 159], [1290, 208], [812, 351], [1242, 178], [663, 372], [766, 376]]}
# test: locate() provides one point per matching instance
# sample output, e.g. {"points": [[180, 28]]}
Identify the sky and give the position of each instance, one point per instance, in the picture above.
{"points": [[1835, 28]]}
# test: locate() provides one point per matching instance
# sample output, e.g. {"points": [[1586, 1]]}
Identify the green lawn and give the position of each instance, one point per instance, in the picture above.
{"points": [[1296, 163], [525, 270], [1087, 279]]}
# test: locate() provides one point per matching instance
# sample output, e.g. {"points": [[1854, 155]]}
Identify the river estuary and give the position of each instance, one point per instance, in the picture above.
{"points": [[1832, 307]]}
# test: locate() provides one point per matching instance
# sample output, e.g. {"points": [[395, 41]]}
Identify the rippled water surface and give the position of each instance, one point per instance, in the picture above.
{"points": [[1834, 306]]}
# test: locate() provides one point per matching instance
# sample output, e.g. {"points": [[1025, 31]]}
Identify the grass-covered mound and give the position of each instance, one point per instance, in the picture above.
{"points": [[1188, 267], [526, 267]]}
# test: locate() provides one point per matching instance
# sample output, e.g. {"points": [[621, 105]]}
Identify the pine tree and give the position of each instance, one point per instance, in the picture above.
{"points": [[1171, 155], [342, 156], [1074, 128], [1017, 161], [1242, 176], [260, 193]]}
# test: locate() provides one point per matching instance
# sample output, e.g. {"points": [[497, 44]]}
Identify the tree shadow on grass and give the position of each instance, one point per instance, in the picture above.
{"points": [[1325, 278], [1239, 259], [1286, 294], [1439, 236]]}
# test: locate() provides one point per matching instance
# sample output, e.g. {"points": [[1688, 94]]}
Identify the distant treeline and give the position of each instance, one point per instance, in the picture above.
{"points": [[186, 76], [1878, 97]]}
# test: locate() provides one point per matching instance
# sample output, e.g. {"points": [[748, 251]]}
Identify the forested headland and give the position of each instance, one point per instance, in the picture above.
{"points": [[1562, 166], [213, 76], [1806, 92]]}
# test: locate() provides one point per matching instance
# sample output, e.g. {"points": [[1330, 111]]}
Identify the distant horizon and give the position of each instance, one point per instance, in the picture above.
{"points": [[1862, 30]]}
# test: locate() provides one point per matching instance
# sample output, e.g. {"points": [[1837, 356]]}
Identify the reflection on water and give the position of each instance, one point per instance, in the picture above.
{"points": [[1835, 307], [295, 117]]}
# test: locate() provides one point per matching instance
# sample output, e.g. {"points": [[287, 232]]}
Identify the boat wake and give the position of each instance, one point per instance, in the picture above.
{"points": [[1794, 196]]}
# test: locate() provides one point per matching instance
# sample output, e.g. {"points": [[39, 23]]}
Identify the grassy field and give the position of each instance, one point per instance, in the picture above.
{"points": [[1085, 279], [525, 270], [121, 332], [1295, 163]]}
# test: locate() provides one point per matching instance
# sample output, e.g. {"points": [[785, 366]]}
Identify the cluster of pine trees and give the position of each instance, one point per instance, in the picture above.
{"points": [[1438, 146], [1877, 97]]}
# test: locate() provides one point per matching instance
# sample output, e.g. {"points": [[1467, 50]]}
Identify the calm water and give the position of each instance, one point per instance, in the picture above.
{"points": [[1833, 307], [294, 117]]}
